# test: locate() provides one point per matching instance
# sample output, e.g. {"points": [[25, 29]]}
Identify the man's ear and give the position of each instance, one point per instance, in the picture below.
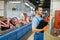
{"points": [[36, 11]]}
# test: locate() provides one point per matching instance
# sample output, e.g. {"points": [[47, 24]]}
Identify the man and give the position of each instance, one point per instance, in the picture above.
{"points": [[39, 33]]}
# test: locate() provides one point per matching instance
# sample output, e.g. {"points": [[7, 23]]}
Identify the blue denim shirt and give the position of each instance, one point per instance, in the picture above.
{"points": [[36, 20]]}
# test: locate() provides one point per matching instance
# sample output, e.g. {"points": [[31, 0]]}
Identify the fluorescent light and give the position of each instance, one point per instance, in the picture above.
{"points": [[37, 1], [27, 4], [40, 4], [14, 1], [41, 0], [32, 7]]}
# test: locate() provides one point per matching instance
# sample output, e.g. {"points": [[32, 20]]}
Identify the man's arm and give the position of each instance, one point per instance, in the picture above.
{"points": [[34, 29], [34, 25]]}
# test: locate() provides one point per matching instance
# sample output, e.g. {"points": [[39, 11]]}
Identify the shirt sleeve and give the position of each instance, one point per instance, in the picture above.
{"points": [[34, 22]]}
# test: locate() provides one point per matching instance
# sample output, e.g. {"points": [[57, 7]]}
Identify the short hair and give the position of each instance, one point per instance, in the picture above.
{"points": [[38, 7]]}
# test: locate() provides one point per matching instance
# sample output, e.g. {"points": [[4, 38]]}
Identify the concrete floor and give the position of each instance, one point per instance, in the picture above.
{"points": [[47, 36], [31, 37], [27, 36], [50, 37]]}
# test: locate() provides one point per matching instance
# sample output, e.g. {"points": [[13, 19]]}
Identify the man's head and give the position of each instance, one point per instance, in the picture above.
{"points": [[38, 10]]}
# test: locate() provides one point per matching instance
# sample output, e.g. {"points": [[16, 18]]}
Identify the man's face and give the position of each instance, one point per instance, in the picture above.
{"points": [[39, 11]]}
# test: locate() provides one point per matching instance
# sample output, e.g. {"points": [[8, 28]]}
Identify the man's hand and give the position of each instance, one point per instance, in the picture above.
{"points": [[34, 29], [45, 28]]}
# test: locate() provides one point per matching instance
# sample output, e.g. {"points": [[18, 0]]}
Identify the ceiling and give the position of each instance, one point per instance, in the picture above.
{"points": [[43, 3]]}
